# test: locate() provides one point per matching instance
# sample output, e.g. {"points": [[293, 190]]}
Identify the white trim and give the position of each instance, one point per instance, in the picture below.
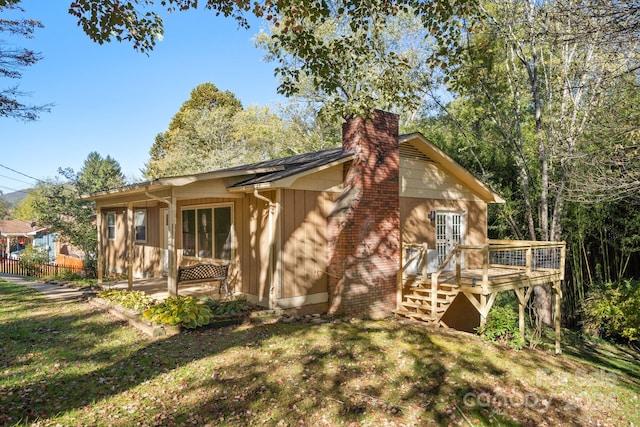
{"points": [[292, 302], [213, 207], [115, 224], [255, 300], [302, 300], [145, 214]]}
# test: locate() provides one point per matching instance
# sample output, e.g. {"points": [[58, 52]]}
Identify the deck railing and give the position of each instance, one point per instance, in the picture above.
{"points": [[518, 255]]}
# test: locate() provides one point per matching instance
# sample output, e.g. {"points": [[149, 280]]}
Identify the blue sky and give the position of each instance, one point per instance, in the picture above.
{"points": [[113, 100]]}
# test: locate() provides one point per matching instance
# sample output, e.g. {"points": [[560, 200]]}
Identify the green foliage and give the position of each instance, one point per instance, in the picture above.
{"points": [[13, 61], [502, 325], [236, 306], [212, 131], [355, 66], [133, 300], [57, 205], [177, 310], [33, 256], [97, 174], [612, 311]]}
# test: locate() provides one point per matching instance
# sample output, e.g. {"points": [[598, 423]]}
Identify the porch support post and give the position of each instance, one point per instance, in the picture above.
{"points": [[278, 243], [172, 280], [130, 245], [100, 271]]}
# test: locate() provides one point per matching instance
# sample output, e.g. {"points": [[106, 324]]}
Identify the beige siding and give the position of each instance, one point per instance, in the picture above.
{"points": [[417, 227], [115, 251], [147, 256], [423, 179], [254, 246], [304, 242], [329, 179]]}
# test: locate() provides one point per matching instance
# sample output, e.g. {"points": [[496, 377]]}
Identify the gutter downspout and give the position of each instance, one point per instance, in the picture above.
{"points": [[273, 206]]}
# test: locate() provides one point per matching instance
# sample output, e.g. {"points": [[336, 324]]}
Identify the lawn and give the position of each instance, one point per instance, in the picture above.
{"points": [[69, 364]]}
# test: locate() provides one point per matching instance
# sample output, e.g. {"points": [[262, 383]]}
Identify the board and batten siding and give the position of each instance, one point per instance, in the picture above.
{"points": [[304, 244], [147, 255]]}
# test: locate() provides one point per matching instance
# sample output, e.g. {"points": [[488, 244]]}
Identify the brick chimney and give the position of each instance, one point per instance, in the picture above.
{"points": [[364, 224]]}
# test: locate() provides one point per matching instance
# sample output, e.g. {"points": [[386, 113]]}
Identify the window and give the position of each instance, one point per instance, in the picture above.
{"points": [[111, 225], [206, 232], [140, 220]]}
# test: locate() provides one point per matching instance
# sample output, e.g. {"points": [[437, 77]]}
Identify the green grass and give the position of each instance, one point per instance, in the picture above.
{"points": [[68, 364]]}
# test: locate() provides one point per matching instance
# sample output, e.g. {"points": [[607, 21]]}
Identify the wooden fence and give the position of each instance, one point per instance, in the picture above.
{"points": [[24, 268]]}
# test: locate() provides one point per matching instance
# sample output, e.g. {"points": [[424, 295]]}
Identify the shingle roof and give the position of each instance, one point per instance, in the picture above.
{"points": [[290, 166], [15, 227]]}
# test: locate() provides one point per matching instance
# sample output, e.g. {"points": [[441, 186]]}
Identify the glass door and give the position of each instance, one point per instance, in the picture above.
{"points": [[449, 234]]}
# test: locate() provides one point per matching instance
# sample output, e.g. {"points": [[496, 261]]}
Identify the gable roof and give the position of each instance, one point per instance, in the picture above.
{"points": [[295, 166], [279, 173], [16, 227], [435, 154]]}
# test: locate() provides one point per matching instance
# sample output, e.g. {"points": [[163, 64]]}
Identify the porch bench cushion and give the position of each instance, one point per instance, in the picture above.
{"points": [[205, 272]]}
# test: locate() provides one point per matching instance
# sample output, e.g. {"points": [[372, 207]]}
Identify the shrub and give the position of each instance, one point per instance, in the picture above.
{"points": [[236, 306], [612, 311], [177, 310], [502, 327], [133, 300]]}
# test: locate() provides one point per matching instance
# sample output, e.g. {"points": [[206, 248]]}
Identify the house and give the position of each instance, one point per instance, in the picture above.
{"points": [[16, 235], [316, 232]]}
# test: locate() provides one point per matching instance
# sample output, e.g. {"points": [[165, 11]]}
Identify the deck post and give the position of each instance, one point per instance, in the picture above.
{"points": [[521, 306], [558, 316], [483, 315], [485, 268], [434, 295]]}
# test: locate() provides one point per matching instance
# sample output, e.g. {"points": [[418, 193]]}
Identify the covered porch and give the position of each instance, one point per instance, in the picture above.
{"points": [[156, 287], [479, 273]]}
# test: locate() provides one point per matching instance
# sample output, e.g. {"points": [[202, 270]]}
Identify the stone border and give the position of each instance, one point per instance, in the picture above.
{"points": [[134, 318]]}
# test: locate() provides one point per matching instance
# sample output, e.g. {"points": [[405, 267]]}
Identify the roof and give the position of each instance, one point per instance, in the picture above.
{"points": [[451, 166], [281, 172], [294, 165], [16, 227]]}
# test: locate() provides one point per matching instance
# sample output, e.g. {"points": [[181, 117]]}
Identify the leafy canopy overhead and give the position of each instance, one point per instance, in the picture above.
{"points": [[13, 60], [358, 45]]}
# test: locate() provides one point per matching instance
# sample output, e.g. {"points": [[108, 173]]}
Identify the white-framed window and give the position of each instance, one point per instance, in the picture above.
{"points": [[207, 231], [140, 221], [111, 225]]}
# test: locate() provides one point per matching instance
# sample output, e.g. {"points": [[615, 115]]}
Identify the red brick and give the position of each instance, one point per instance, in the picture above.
{"points": [[364, 226]]}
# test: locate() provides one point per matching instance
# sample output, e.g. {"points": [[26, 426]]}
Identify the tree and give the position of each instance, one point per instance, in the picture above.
{"points": [[57, 204], [330, 61], [13, 61], [4, 207], [212, 131], [97, 174], [540, 92]]}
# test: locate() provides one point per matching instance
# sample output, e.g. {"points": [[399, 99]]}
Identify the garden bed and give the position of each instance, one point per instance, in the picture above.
{"points": [[135, 319]]}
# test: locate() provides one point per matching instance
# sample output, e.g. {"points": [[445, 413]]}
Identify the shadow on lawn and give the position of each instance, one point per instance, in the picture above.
{"points": [[263, 374]]}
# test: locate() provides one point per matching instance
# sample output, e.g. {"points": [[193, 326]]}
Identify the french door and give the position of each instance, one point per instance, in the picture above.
{"points": [[450, 230]]}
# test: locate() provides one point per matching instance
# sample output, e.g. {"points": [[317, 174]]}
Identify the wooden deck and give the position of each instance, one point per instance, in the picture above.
{"points": [[480, 273]]}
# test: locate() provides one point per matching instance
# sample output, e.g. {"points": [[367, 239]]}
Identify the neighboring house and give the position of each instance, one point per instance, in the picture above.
{"points": [[319, 232], [16, 235]]}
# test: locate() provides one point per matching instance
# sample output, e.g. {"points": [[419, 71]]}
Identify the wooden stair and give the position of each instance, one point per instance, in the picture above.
{"points": [[416, 302]]}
